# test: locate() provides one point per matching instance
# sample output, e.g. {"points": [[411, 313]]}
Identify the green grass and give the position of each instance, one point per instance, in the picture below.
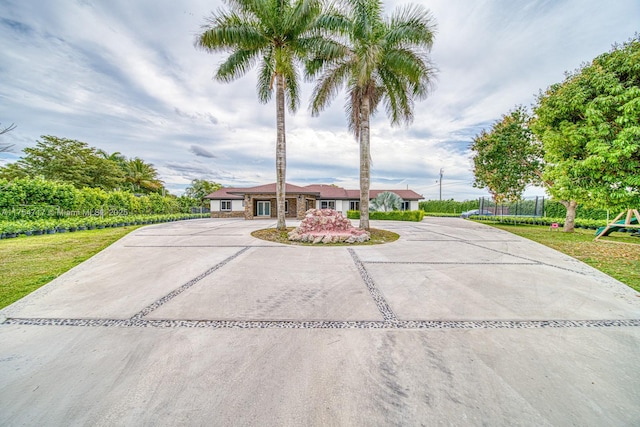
{"points": [[30, 262], [617, 255]]}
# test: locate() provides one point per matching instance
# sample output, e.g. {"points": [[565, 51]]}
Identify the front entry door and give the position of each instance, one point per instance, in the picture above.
{"points": [[264, 208]]}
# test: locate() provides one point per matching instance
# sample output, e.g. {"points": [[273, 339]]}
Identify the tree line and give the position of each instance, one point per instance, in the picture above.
{"points": [[76, 163], [581, 141], [60, 165]]}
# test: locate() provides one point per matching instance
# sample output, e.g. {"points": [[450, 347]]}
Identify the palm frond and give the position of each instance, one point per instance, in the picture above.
{"points": [[266, 73], [412, 25], [323, 53], [329, 86], [226, 31], [236, 65], [292, 91]]}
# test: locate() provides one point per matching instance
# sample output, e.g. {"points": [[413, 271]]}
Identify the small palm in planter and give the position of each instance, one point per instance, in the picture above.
{"points": [[9, 230], [90, 223], [72, 224], [62, 226], [25, 227], [81, 224], [37, 227]]}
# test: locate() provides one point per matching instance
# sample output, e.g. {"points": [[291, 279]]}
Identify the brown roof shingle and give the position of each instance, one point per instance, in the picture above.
{"points": [[322, 191]]}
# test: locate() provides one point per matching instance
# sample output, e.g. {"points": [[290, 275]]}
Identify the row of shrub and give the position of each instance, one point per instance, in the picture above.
{"points": [[546, 221], [29, 198], [448, 206], [416, 216], [9, 229]]}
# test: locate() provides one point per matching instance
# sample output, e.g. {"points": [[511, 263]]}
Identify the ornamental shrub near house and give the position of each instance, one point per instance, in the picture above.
{"points": [[415, 216]]}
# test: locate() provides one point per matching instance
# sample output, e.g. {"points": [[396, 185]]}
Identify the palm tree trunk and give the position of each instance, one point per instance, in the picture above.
{"points": [[281, 154], [365, 164]]}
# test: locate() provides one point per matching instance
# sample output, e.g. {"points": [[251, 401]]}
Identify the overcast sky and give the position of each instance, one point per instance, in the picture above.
{"points": [[123, 75]]}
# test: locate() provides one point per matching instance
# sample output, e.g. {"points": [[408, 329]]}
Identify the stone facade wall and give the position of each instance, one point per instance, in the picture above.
{"points": [[227, 214], [297, 205]]}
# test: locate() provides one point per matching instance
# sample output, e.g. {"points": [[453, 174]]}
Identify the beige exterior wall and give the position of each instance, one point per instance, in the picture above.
{"points": [[298, 204], [237, 210]]}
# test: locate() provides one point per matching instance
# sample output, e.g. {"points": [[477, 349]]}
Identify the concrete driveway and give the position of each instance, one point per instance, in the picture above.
{"points": [[197, 323]]}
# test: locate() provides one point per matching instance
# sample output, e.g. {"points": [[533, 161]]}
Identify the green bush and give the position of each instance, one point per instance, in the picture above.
{"points": [[416, 216], [81, 223], [448, 206], [33, 198], [556, 209], [91, 200]]}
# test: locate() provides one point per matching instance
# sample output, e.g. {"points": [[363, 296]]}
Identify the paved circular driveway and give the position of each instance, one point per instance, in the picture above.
{"points": [[198, 323]]}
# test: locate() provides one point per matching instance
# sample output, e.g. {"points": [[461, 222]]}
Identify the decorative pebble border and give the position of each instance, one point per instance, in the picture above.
{"points": [[383, 306], [390, 319], [322, 324]]}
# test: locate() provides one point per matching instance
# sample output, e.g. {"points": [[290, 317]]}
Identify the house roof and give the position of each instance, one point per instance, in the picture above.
{"points": [[322, 191], [330, 191], [271, 188], [226, 194], [404, 194]]}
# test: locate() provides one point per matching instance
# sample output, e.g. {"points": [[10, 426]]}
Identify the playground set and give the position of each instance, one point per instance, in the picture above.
{"points": [[631, 220]]}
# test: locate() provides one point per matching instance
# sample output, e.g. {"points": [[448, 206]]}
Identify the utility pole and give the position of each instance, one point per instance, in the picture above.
{"points": [[441, 172]]}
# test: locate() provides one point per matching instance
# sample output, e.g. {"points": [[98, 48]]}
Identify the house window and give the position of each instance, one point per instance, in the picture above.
{"points": [[406, 206], [327, 204], [286, 206], [354, 205], [225, 205]]}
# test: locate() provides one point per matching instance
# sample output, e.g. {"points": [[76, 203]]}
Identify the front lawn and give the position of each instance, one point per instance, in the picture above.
{"points": [[617, 255], [30, 262]]}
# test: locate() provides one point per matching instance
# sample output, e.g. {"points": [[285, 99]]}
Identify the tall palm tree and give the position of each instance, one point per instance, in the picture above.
{"points": [[116, 157], [276, 34], [142, 176], [377, 59]]}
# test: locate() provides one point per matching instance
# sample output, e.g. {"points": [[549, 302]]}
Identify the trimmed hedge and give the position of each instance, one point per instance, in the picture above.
{"points": [[61, 225], [37, 198], [415, 216], [448, 206], [557, 210]]}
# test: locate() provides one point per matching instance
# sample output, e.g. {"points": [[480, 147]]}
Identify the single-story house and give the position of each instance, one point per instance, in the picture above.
{"points": [[260, 201]]}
